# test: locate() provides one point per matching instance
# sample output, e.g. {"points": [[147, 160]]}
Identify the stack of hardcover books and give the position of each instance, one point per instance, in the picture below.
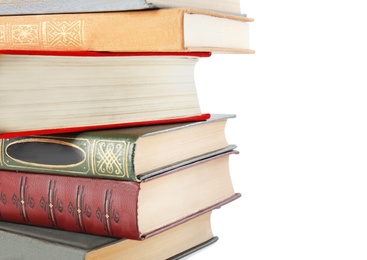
{"points": [[104, 150]]}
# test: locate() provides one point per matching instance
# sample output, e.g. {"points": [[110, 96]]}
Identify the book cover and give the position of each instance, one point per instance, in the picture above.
{"points": [[36, 243], [133, 153], [161, 30], [121, 209]]}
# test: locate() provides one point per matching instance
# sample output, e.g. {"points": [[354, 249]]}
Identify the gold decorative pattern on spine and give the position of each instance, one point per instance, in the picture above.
{"points": [[2, 34], [91, 155], [107, 212], [110, 158], [51, 202], [79, 206], [22, 199], [62, 33], [58, 34], [25, 34]]}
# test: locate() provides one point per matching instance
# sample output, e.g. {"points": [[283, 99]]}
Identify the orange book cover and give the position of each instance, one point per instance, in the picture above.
{"points": [[162, 30]]}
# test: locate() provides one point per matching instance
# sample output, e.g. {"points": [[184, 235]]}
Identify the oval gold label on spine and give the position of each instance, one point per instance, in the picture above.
{"points": [[45, 153]]}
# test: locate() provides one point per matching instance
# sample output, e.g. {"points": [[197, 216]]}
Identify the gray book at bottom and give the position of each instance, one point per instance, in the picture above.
{"points": [[24, 242]]}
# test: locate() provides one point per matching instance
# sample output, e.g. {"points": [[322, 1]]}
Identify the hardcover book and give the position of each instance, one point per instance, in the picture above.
{"points": [[114, 208], [133, 153], [161, 30], [26, 242], [56, 92], [11, 7]]}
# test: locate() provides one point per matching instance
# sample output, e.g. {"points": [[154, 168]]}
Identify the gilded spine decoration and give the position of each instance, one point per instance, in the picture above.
{"points": [[97, 158], [74, 204], [56, 34], [111, 158], [79, 208], [2, 35], [107, 212], [51, 203], [23, 200]]}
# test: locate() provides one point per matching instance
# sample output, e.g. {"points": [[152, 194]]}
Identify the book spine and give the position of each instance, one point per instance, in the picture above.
{"points": [[159, 31], [75, 155], [18, 246], [100, 207], [12, 7]]}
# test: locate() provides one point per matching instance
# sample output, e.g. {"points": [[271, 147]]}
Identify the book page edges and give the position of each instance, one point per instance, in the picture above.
{"points": [[187, 163], [187, 218]]}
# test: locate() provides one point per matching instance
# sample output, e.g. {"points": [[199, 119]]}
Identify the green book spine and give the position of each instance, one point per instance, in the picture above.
{"points": [[71, 155], [108, 154]]}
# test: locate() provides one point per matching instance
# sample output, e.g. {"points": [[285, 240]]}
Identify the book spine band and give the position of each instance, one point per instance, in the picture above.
{"points": [[107, 208], [75, 156]]}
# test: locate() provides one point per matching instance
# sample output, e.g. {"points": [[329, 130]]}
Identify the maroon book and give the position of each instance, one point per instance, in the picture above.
{"points": [[114, 208]]}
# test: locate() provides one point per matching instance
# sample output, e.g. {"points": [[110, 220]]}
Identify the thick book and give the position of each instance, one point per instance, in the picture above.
{"points": [[46, 92], [24, 242], [133, 153], [114, 208], [161, 30], [11, 7]]}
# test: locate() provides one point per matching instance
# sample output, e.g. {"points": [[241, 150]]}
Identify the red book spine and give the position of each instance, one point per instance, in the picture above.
{"points": [[102, 207]]}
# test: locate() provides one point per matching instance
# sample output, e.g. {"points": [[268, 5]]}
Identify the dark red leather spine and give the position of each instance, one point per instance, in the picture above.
{"points": [[102, 207]]}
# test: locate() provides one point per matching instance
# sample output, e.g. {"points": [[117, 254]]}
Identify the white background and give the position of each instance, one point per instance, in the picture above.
{"points": [[301, 105]]}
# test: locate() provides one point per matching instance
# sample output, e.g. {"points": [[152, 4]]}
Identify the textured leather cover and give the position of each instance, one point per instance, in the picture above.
{"points": [[86, 205], [78, 154]]}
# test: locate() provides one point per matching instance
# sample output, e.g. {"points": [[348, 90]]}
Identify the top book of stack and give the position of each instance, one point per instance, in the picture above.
{"points": [[157, 30], [11, 7]]}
